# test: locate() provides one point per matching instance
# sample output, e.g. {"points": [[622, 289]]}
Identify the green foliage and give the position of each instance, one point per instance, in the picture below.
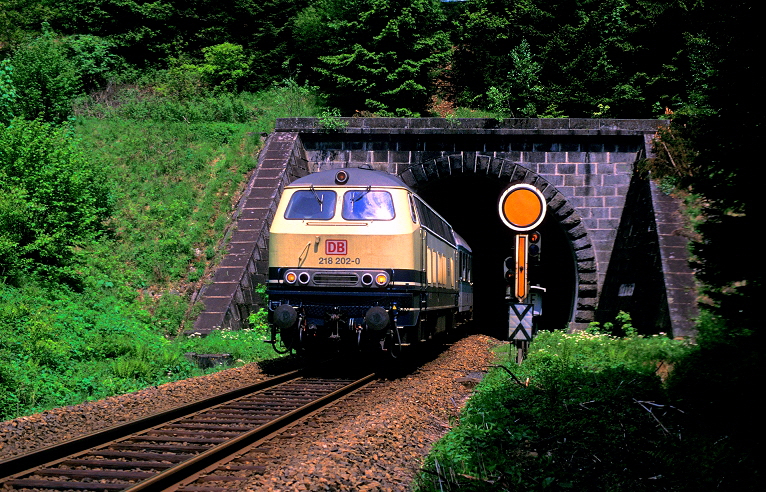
{"points": [[224, 69], [149, 33], [726, 365], [521, 92], [584, 412], [46, 79], [181, 82], [139, 29], [624, 326], [580, 54], [93, 58], [169, 313], [705, 155], [179, 96], [288, 99], [330, 120], [463, 112], [243, 345], [176, 168], [376, 56], [53, 199], [225, 66], [8, 94], [21, 18], [59, 347], [172, 180]]}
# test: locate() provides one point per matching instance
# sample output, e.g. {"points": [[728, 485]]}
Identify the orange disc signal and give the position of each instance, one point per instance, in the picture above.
{"points": [[522, 207]]}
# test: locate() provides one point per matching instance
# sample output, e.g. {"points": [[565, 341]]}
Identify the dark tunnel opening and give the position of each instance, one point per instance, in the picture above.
{"points": [[469, 203]]}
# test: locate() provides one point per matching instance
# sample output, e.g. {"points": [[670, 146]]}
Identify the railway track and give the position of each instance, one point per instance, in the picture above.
{"points": [[170, 450]]}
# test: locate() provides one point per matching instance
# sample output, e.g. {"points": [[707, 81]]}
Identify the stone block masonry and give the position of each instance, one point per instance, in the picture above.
{"points": [[584, 167], [230, 298]]}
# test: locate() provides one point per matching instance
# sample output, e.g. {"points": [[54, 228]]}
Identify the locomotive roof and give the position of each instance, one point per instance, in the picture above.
{"points": [[356, 177], [461, 242]]}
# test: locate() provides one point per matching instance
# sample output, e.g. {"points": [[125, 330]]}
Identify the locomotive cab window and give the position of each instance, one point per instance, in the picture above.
{"points": [[412, 210], [368, 205], [311, 204]]}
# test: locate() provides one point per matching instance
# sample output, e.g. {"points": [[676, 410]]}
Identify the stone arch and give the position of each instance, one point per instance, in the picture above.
{"points": [[581, 247]]}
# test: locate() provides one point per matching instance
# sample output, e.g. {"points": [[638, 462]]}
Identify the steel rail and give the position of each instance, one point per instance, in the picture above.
{"points": [[29, 462], [171, 479], [187, 469]]}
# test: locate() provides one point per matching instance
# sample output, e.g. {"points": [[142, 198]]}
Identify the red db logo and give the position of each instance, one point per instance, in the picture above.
{"points": [[336, 247]]}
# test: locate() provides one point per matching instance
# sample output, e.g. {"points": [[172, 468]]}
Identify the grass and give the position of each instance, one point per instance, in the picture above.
{"points": [[175, 169], [585, 411]]}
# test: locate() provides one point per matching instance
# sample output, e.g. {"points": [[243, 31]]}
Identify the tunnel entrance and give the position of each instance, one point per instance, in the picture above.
{"points": [[469, 203], [583, 167]]}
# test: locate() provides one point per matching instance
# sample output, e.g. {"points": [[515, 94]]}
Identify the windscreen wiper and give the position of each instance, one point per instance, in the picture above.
{"points": [[319, 198], [356, 199]]}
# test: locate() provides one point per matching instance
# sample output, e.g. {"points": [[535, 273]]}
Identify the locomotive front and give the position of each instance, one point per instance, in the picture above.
{"points": [[344, 261]]}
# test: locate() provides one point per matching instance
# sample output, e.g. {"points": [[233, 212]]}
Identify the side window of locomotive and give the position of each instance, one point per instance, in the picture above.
{"points": [[423, 213], [412, 210], [429, 219], [311, 204], [368, 205]]}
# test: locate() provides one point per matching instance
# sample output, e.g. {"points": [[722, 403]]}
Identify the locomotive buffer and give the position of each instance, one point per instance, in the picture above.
{"points": [[522, 209]]}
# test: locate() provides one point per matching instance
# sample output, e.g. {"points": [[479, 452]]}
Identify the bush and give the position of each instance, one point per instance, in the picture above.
{"points": [[225, 66], [133, 253], [46, 80], [93, 59], [59, 347], [51, 199], [583, 412]]}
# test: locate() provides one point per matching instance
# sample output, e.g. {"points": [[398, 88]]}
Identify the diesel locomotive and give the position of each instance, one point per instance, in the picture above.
{"points": [[358, 261]]}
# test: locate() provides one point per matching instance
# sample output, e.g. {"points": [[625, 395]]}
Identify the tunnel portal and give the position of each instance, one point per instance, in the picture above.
{"points": [[610, 239]]}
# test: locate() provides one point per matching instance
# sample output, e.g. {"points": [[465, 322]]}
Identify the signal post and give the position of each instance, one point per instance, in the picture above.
{"points": [[522, 208]]}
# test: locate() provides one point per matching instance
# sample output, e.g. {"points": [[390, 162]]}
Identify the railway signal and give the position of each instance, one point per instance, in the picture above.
{"points": [[535, 244], [522, 208]]}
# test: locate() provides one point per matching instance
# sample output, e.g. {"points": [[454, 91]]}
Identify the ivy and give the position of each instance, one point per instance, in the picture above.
{"points": [[8, 94]]}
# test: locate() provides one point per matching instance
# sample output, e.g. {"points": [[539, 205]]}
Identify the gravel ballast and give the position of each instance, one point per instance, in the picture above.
{"points": [[378, 440], [375, 440], [26, 434]]}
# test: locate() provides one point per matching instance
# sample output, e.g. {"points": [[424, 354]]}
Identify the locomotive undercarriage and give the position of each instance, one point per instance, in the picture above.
{"points": [[316, 324]]}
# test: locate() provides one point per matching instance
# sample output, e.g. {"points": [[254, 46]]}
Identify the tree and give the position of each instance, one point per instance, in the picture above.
{"points": [[592, 54], [225, 66], [484, 34], [93, 58], [46, 80], [20, 18], [708, 151], [374, 55], [143, 32], [521, 94], [148, 33]]}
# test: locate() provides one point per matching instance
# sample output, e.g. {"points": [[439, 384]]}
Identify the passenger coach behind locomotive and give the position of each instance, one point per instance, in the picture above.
{"points": [[357, 259]]}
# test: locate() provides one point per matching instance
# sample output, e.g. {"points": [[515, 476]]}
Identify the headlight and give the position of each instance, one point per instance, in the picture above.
{"points": [[291, 277], [381, 279], [341, 177]]}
